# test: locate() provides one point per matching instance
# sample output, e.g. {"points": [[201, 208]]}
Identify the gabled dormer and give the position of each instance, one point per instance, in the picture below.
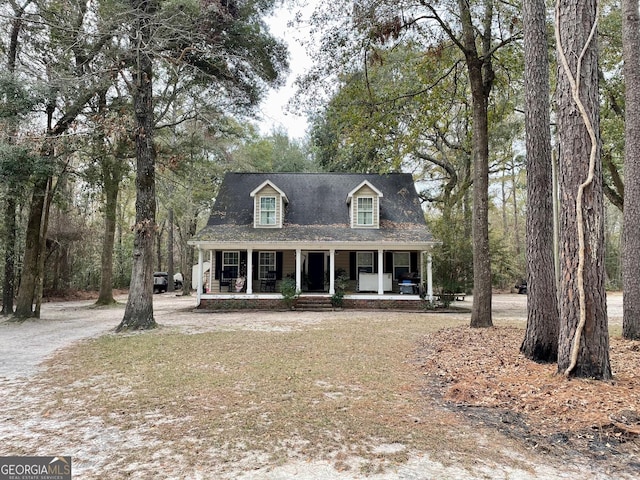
{"points": [[364, 206], [268, 205]]}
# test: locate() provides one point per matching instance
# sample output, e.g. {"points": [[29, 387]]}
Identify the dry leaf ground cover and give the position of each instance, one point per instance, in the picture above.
{"points": [[481, 373], [343, 395]]}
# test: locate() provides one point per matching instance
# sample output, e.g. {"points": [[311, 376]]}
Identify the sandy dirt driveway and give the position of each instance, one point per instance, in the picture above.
{"points": [[27, 345]]}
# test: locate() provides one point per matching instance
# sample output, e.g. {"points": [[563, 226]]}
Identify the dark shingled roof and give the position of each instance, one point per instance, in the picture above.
{"points": [[317, 209]]}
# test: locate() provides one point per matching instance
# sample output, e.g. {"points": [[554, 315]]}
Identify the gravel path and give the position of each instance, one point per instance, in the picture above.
{"points": [[25, 345]]}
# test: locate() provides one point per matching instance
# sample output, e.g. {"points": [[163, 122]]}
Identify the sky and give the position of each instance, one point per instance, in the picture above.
{"points": [[273, 110]]}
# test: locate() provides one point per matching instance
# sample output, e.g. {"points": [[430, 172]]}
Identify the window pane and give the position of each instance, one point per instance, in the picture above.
{"points": [[365, 259], [365, 262], [401, 259], [365, 203], [267, 218], [268, 210], [268, 203], [401, 264], [230, 258], [266, 263], [365, 218]]}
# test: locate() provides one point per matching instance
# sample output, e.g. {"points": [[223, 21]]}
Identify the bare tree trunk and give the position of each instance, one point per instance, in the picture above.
{"points": [[111, 187], [516, 225], [583, 345], [541, 337], [120, 257], [138, 313], [482, 283], [170, 268], [29, 279], [8, 290], [481, 77], [44, 229], [503, 194], [631, 211], [159, 232], [111, 173]]}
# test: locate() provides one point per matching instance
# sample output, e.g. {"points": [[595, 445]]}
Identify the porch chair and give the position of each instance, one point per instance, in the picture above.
{"points": [[268, 284], [226, 280]]}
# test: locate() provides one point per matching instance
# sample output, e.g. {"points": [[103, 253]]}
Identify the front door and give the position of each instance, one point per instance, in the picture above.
{"points": [[315, 271]]}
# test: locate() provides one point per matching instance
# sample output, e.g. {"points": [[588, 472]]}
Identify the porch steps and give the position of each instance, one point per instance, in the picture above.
{"points": [[314, 304]]}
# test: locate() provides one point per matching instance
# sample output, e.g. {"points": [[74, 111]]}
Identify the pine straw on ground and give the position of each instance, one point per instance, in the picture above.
{"points": [[481, 373]]}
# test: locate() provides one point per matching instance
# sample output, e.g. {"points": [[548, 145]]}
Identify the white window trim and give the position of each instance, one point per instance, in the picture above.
{"points": [[358, 264], [359, 210], [225, 265], [275, 211], [396, 264], [260, 264]]}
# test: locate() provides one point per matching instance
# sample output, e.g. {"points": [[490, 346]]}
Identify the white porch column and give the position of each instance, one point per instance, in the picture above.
{"points": [[200, 275], [298, 270], [332, 272], [429, 278], [380, 272], [211, 276], [249, 271]]}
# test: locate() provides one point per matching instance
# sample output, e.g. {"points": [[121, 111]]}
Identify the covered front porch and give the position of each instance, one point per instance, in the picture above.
{"points": [[255, 274]]}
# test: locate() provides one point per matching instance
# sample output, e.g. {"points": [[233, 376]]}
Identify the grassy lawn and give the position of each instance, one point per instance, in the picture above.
{"points": [[328, 391]]}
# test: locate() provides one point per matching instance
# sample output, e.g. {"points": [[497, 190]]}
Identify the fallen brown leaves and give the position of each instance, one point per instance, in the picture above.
{"points": [[483, 368]]}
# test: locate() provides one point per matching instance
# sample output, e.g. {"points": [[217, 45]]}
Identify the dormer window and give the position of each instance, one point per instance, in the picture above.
{"points": [[364, 206], [268, 211], [268, 206]]}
